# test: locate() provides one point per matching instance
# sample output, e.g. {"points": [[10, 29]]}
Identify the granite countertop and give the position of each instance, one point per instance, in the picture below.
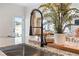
{"points": [[53, 50], [2, 54]]}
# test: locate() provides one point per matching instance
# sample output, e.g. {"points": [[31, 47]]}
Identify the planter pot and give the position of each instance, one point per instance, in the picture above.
{"points": [[60, 39]]}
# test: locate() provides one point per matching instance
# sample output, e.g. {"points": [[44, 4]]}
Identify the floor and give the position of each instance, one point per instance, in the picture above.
{"points": [[17, 50]]}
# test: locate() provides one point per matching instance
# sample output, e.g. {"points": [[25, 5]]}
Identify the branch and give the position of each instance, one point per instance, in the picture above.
{"points": [[67, 26]]}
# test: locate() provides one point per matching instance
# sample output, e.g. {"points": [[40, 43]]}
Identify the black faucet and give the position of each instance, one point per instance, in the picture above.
{"points": [[31, 33]]}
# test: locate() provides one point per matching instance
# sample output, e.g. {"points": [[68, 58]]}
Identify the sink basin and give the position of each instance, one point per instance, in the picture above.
{"points": [[25, 50]]}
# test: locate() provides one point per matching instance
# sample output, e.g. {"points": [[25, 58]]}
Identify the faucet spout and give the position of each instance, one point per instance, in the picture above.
{"points": [[31, 32]]}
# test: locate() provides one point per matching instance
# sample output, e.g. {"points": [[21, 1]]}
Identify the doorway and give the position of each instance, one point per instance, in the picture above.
{"points": [[18, 29]]}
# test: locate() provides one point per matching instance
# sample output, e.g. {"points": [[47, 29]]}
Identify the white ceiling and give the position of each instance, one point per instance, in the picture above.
{"points": [[27, 4], [38, 4], [22, 4], [34, 4]]}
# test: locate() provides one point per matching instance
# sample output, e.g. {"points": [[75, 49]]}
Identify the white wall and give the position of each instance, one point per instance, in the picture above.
{"points": [[7, 12]]}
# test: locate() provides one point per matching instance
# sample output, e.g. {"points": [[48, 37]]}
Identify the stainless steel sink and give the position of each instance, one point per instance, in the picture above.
{"points": [[25, 50]]}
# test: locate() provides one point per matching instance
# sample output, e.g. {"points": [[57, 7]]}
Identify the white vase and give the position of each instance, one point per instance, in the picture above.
{"points": [[59, 38]]}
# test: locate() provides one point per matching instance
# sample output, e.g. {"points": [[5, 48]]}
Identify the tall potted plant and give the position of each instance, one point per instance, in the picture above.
{"points": [[61, 15]]}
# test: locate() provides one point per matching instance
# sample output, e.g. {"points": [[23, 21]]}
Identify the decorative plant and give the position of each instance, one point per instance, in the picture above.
{"points": [[60, 13]]}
